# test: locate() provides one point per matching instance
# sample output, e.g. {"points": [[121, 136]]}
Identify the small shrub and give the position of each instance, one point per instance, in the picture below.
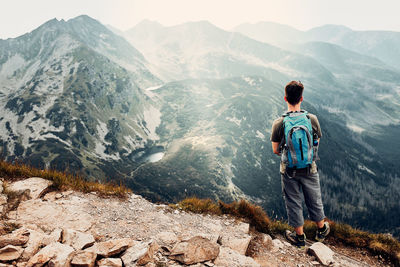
{"points": [[279, 227]]}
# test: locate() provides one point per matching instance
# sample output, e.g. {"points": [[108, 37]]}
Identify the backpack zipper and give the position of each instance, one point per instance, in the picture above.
{"points": [[301, 149]]}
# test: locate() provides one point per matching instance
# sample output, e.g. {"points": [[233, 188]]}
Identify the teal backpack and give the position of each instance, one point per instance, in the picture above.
{"points": [[298, 135]]}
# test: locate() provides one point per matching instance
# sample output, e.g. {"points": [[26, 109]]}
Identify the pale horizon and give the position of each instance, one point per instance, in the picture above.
{"points": [[19, 17]]}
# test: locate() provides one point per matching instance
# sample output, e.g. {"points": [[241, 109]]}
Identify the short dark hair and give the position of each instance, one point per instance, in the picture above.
{"points": [[294, 92]]}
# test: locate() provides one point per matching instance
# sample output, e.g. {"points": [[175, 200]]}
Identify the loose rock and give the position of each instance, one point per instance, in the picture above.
{"points": [[33, 245], [278, 244], [55, 236], [166, 239], [111, 247], [35, 185], [109, 262], [55, 254], [76, 239], [9, 253], [16, 238], [149, 255], [3, 199], [238, 244], [323, 253], [267, 241], [196, 249], [133, 253], [84, 259], [231, 258]]}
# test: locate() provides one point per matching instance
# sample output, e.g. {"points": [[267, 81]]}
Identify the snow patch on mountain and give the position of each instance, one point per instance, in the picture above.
{"points": [[31, 128], [11, 65], [355, 128], [152, 88], [52, 136], [100, 152], [152, 117], [249, 80], [102, 130], [234, 120], [364, 168], [260, 135], [130, 141]]}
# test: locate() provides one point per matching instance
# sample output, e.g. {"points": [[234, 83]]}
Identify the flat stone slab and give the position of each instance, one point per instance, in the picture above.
{"points": [[84, 259], [18, 237], [9, 253], [71, 214], [109, 262], [35, 185], [111, 247], [55, 254], [231, 258], [196, 249], [76, 239], [323, 253]]}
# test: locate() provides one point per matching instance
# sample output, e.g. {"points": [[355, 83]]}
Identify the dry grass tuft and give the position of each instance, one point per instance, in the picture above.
{"points": [[279, 227], [254, 214], [378, 244], [61, 180], [196, 205], [248, 211]]}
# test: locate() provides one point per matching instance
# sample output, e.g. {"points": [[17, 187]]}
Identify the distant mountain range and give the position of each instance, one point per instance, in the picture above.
{"points": [[88, 98], [383, 45]]}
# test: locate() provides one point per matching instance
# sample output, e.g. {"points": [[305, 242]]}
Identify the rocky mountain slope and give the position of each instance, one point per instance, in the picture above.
{"points": [[70, 228], [71, 97]]}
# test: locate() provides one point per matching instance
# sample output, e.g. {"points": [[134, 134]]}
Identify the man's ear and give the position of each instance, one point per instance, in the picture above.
{"points": [[301, 99], [285, 98]]}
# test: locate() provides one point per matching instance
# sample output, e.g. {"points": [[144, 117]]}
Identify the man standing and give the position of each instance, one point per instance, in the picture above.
{"points": [[295, 137]]}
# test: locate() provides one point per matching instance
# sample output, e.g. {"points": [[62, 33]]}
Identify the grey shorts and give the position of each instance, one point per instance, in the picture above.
{"points": [[307, 186]]}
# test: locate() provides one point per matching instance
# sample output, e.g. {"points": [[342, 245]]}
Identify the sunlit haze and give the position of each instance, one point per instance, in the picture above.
{"points": [[21, 16]]}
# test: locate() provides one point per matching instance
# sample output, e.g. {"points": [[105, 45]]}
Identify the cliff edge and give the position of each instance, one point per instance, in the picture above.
{"points": [[42, 226]]}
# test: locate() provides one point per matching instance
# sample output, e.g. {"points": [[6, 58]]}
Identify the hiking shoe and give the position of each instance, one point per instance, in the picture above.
{"points": [[298, 241], [323, 232]]}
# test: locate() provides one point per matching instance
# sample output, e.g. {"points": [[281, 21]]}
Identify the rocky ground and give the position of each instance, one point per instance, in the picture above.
{"points": [[41, 227]]}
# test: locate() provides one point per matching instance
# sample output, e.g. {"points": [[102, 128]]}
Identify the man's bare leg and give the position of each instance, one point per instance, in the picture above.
{"points": [[320, 224], [299, 230]]}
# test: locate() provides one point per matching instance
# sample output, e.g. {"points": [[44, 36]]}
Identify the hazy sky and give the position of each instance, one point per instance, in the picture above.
{"points": [[20, 16]]}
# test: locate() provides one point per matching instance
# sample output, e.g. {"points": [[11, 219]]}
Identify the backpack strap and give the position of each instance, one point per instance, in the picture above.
{"points": [[295, 113]]}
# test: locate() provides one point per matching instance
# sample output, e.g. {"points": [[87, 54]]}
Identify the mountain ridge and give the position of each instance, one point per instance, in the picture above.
{"points": [[380, 44]]}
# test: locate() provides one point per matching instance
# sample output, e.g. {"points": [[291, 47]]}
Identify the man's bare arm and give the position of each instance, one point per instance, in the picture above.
{"points": [[275, 148]]}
